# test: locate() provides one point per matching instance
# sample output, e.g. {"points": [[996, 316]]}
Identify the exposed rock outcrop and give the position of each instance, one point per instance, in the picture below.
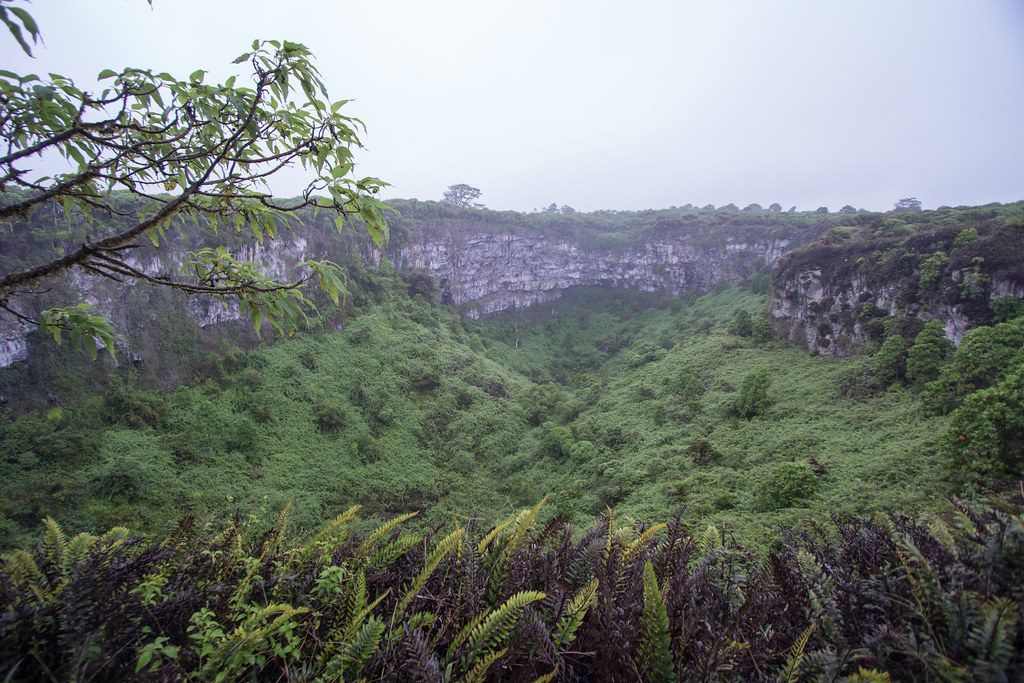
{"points": [[847, 289], [482, 261]]}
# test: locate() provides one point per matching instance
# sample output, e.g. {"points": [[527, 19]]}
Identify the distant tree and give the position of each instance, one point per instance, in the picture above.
{"points": [[775, 206], [1005, 308], [752, 207], [687, 207], [708, 207], [752, 399], [786, 485], [986, 433], [567, 209], [907, 204], [792, 209], [847, 209], [741, 324], [891, 361], [761, 329], [822, 209], [929, 353], [552, 208], [729, 207], [965, 237], [462, 195]]}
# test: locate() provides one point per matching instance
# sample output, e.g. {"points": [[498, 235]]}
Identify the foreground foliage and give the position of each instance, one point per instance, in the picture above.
{"points": [[880, 599]]}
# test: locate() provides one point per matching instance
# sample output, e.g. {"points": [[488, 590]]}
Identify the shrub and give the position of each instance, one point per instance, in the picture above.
{"points": [[787, 484], [965, 237], [891, 361], [986, 433], [331, 416], [741, 324], [752, 399], [929, 353], [1006, 308], [761, 329], [701, 452], [930, 271]]}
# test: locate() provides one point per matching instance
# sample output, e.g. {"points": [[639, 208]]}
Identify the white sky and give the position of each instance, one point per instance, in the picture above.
{"points": [[624, 105]]}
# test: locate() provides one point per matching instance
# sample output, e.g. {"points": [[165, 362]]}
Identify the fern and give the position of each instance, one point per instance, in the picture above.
{"points": [[494, 630], [329, 537], [710, 540], [479, 670], [380, 533], [638, 544], [524, 522], [54, 544], [790, 673], [444, 547], [362, 646], [575, 611], [991, 639], [655, 649]]}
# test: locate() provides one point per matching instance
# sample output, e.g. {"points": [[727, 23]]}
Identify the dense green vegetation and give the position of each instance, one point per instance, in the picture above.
{"points": [[531, 599], [602, 399]]}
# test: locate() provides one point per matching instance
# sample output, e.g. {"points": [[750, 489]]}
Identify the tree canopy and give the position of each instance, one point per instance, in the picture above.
{"points": [[151, 152], [462, 195]]}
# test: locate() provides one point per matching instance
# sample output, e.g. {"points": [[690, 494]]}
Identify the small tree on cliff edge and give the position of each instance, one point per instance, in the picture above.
{"points": [[462, 195], [150, 152]]}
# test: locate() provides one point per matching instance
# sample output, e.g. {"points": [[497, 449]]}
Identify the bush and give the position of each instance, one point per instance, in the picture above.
{"points": [[986, 433], [331, 416], [928, 355], [752, 399], [1006, 308], [761, 329], [787, 484], [701, 452], [741, 324], [930, 271], [891, 361]]}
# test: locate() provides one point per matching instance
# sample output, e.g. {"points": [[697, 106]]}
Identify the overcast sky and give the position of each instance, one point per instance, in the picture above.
{"points": [[624, 105]]}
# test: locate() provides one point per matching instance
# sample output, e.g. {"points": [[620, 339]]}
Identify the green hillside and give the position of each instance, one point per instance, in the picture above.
{"points": [[605, 398]]}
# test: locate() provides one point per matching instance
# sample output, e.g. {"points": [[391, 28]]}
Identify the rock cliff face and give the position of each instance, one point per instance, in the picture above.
{"points": [[480, 266], [847, 289], [486, 272]]}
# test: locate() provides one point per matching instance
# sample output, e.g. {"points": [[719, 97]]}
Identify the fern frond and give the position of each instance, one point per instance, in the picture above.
{"points": [[380, 533], [869, 676], [493, 533], [22, 568], [941, 532], [115, 536], [710, 540], [479, 671], [523, 524], [54, 543], [991, 639], [328, 538], [362, 646], [387, 554], [444, 547], [575, 612], [637, 545], [790, 673], [655, 648], [78, 547], [548, 677], [493, 630], [278, 532]]}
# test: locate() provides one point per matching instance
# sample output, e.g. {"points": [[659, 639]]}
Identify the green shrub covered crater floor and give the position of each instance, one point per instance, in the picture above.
{"points": [[605, 398]]}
